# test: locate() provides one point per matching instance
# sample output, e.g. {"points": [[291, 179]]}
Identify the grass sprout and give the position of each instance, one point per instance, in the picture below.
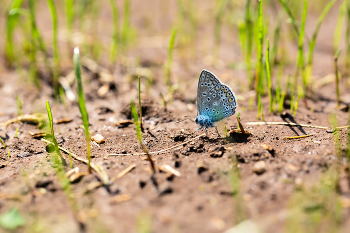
{"points": [[51, 136], [140, 106], [235, 177], [115, 33], [139, 135], [337, 75], [268, 71], [84, 114], [56, 54], [169, 63], [314, 207], [313, 39], [259, 66], [347, 36], [12, 19], [3, 143], [19, 105]]}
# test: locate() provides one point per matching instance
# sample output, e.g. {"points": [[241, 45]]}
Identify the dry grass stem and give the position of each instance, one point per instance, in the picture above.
{"points": [[296, 137], [99, 170]]}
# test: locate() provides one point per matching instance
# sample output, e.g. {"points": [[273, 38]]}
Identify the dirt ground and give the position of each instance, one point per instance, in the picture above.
{"points": [[203, 197]]}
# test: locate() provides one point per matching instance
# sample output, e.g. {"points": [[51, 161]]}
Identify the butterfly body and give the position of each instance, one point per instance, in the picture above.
{"points": [[215, 100]]}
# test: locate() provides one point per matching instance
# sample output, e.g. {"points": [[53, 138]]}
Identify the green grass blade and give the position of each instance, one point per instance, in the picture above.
{"points": [[169, 63], [82, 107], [136, 121], [125, 30], [3, 143], [258, 83], [347, 36], [140, 107], [115, 33], [268, 71], [337, 75], [313, 39], [289, 12], [11, 22], [19, 105], [52, 134], [69, 15], [300, 62], [56, 54]]}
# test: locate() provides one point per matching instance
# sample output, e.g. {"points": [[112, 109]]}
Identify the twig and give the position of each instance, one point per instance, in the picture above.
{"points": [[285, 123], [302, 136], [161, 151], [99, 170], [169, 169], [124, 172], [294, 124]]}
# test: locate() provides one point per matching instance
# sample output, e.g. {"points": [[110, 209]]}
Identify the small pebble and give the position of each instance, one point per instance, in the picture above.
{"points": [[98, 138], [259, 167], [22, 155]]}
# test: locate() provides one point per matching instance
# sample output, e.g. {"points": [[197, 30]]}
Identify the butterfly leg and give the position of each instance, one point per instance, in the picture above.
{"points": [[217, 131]]}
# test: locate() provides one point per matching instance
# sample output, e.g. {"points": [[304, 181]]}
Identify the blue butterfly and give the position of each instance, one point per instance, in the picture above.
{"points": [[215, 101]]}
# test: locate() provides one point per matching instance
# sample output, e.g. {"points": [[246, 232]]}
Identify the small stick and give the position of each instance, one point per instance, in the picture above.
{"points": [[124, 172], [285, 123], [302, 136], [169, 169], [161, 151]]}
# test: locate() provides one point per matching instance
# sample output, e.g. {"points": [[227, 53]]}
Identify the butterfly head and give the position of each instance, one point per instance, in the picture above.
{"points": [[204, 121]]}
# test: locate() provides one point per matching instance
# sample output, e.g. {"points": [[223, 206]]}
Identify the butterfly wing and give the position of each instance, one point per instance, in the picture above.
{"points": [[214, 98], [207, 81], [225, 102]]}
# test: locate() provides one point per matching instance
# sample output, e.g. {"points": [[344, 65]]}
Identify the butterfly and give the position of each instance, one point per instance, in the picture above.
{"points": [[215, 101]]}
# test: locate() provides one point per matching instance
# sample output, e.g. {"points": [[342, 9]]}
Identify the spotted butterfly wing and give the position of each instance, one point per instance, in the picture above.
{"points": [[214, 98]]}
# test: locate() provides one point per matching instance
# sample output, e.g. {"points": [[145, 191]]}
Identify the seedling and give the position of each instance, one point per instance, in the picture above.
{"points": [[19, 106], [82, 108], [115, 33], [337, 75], [139, 135], [169, 63], [259, 66], [10, 26], [140, 107], [313, 40], [3, 143], [268, 71], [52, 135], [56, 54]]}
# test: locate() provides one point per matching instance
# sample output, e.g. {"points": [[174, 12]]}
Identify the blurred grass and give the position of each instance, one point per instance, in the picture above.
{"points": [[317, 208]]}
